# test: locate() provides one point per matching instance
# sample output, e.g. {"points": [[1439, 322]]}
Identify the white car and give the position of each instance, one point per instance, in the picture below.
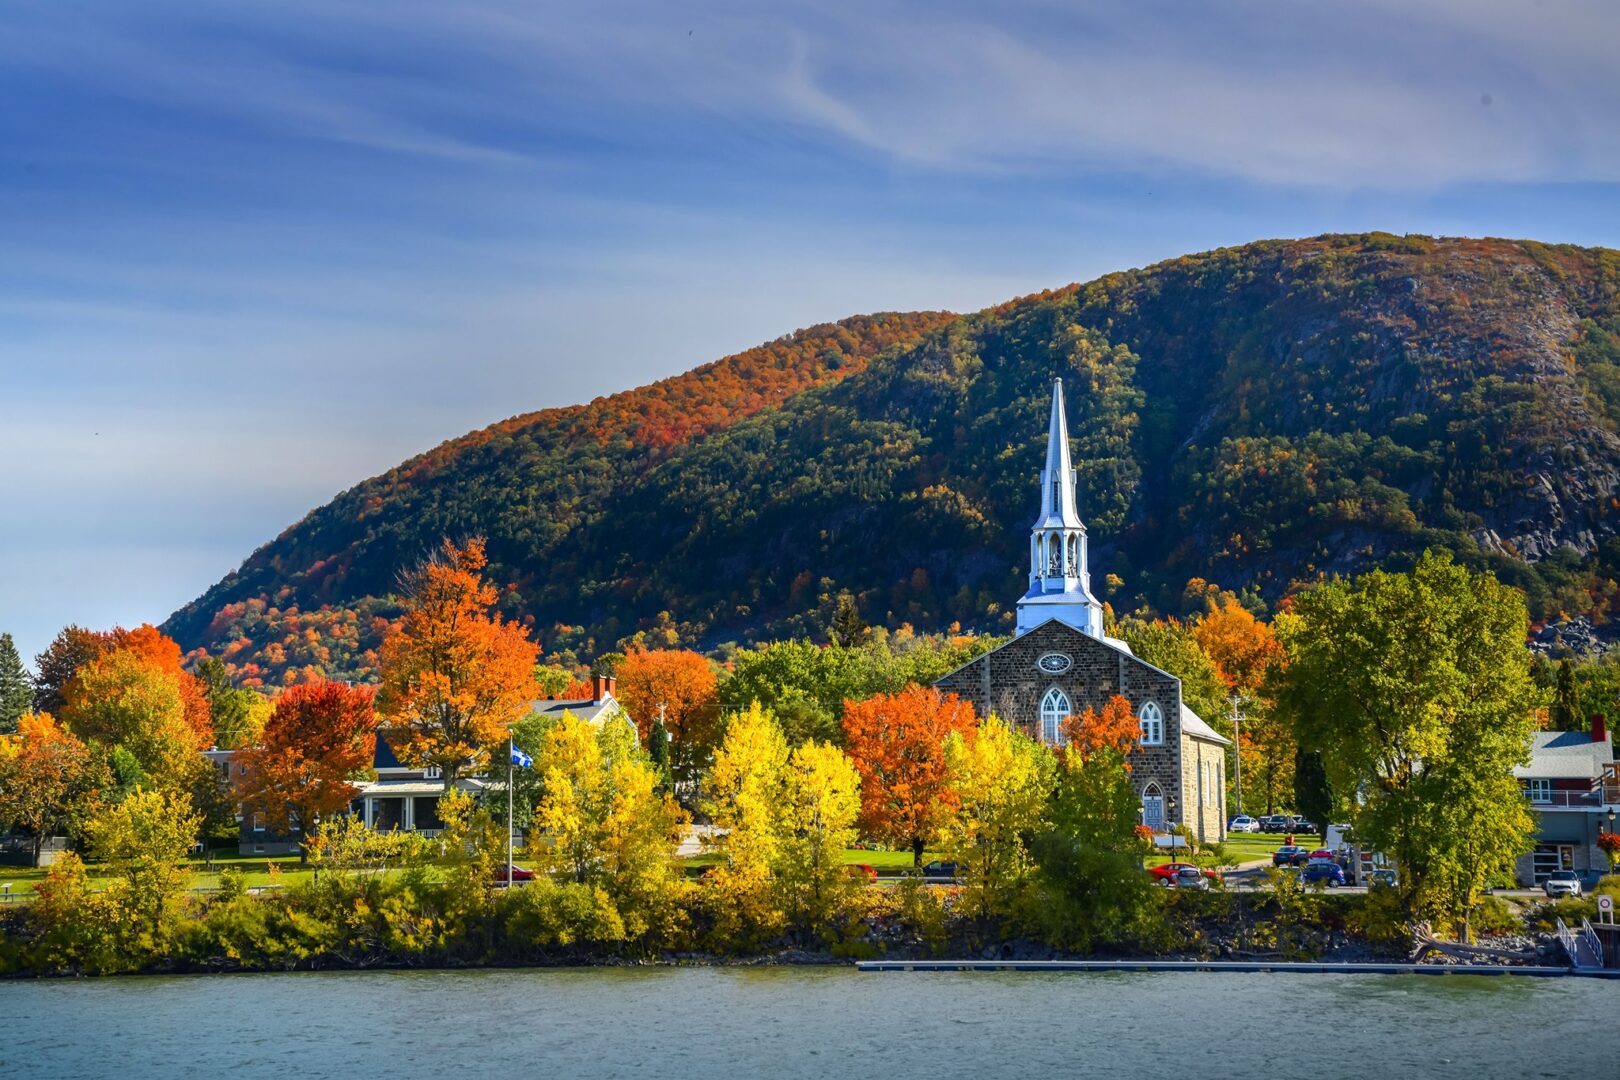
{"points": [[1243, 823], [1562, 883]]}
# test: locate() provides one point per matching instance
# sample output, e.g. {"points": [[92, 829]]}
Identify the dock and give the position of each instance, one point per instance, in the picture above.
{"points": [[1280, 966]]}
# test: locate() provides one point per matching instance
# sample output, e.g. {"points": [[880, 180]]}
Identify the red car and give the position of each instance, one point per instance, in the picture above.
{"points": [[518, 874], [1323, 853], [1166, 875], [861, 870]]}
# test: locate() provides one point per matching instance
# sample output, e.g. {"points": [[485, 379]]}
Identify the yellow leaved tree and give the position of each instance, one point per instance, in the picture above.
{"points": [[1002, 780], [743, 797], [822, 798]]}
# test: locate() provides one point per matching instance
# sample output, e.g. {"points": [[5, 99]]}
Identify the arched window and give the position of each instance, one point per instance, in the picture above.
{"points": [[1054, 710], [1153, 807], [1152, 720], [1074, 556], [1054, 560]]}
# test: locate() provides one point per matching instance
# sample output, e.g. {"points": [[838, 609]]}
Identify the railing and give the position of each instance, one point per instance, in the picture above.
{"points": [[1609, 784], [1569, 800], [1567, 940], [1594, 943]]}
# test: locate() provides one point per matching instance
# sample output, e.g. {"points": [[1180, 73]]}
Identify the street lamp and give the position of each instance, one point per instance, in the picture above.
{"points": [[1237, 749]]}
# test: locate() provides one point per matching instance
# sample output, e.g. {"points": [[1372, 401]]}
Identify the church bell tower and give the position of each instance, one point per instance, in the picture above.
{"points": [[1059, 575]]}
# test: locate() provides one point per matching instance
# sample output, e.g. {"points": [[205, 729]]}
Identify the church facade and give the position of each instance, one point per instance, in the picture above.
{"points": [[1060, 662]]}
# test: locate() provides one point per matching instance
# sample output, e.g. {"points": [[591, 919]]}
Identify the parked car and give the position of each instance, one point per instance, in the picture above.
{"points": [[1382, 879], [1301, 825], [1324, 853], [863, 871], [937, 869], [1243, 823], [1166, 874], [1290, 855], [1562, 883], [1190, 877], [1325, 871], [1274, 823], [518, 874]]}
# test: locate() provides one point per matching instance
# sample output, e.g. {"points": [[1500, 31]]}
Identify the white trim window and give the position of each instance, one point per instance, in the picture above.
{"points": [[1539, 789], [1151, 717], [1055, 708], [433, 772]]}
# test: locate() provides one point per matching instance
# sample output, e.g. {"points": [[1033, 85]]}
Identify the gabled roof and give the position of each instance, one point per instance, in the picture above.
{"points": [[1113, 643], [1193, 724], [1567, 755], [589, 710]]}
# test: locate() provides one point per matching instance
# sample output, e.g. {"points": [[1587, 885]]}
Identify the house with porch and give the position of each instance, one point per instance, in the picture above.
{"points": [[1572, 786]]}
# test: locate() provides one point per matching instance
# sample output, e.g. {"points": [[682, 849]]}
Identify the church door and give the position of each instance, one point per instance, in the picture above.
{"points": [[1153, 808]]}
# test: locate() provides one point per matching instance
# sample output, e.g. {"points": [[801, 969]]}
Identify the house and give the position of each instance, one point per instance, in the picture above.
{"points": [[1060, 662], [403, 797], [1572, 787]]}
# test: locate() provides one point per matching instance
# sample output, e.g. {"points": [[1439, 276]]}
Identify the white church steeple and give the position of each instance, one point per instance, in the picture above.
{"points": [[1059, 574]]}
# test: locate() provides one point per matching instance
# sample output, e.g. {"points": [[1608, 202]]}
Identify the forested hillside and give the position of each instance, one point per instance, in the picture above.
{"points": [[1254, 416]]}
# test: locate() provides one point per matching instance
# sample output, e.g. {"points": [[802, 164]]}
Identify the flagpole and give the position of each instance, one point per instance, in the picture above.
{"points": [[510, 754]]}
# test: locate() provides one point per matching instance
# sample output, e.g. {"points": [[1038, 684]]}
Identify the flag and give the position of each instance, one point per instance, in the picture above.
{"points": [[520, 759]]}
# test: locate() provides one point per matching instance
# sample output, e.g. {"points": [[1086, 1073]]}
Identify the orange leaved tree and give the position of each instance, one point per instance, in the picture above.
{"points": [[455, 677], [897, 742], [681, 686], [1246, 652], [1115, 728], [319, 737], [50, 781]]}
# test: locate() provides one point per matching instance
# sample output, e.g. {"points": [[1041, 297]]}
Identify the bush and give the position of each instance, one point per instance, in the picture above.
{"points": [[1494, 916]]}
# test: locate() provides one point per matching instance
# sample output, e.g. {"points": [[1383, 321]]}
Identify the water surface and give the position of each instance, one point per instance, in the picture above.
{"points": [[784, 1022]]}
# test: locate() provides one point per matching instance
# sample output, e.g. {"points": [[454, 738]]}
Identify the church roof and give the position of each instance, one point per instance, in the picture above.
{"points": [[1193, 724]]}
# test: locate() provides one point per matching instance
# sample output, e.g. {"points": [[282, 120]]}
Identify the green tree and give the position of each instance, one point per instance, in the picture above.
{"points": [[1171, 645], [552, 681], [1313, 792], [1566, 704], [1416, 690], [239, 715], [16, 688], [847, 627], [143, 840]]}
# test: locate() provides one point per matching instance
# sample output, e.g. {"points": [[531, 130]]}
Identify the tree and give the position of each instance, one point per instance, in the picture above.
{"points": [[847, 627], [238, 715], [144, 840], [454, 677], [821, 802], [122, 700], [743, 798], [1001, 781], [50, 781], [679, 687], [319, 737], [1247, 654], [606, 824], [1415, 688], [16, 688], [1313, 792], [552, 681], [1566, 712], [1171, 645], [1089, 854], [897, 742], [71, 649]]}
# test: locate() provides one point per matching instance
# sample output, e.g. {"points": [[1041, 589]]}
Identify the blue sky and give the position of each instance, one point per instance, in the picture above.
{"points": [[252, 254]]}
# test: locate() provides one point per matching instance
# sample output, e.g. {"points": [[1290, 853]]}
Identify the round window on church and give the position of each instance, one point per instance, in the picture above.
{"points": [[1054, 663]]}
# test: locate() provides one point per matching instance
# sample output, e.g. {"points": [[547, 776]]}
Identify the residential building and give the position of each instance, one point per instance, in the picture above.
{"points": [[1571, 783]]}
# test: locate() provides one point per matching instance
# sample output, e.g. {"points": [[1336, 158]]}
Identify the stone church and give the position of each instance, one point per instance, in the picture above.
{"points": [[1060, 662]]}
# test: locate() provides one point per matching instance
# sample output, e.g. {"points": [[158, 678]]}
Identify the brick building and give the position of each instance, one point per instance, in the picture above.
{"points": [[1060, 662]]}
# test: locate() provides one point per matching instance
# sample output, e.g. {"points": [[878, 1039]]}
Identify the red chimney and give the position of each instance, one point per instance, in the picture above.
{"points": [[1600, 730], [602, 687]]}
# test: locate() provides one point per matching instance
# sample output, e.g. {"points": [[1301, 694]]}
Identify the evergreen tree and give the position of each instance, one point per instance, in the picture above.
{"points": [[16, 688], [658, 751], [1313, 794], [847, 628], [1566, 707]]}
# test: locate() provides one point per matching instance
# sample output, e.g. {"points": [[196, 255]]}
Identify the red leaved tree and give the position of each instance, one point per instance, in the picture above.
{"points": [[897, 742], [1114, 728], [320, 737]]}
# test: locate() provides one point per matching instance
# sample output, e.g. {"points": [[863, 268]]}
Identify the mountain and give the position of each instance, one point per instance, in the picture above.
{"points": [[1254, 417]]}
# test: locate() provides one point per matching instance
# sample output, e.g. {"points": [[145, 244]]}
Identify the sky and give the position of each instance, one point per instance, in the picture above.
{"points": [[253, 254]]}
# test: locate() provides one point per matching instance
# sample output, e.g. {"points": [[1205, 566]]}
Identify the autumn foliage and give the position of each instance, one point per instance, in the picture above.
{"points": [[897, 742], [454, 676], [1114, 728], [679, 680], [320, 737]]}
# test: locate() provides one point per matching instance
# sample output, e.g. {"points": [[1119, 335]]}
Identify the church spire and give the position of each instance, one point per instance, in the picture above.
{"points": [[1059, 574]]}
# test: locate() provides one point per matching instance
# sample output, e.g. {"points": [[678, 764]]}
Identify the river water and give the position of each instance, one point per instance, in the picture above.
{"points": [[787, 1022]]}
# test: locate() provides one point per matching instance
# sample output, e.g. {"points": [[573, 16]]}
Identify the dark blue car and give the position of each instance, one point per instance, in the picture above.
{"points": [[1328, 873]]}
